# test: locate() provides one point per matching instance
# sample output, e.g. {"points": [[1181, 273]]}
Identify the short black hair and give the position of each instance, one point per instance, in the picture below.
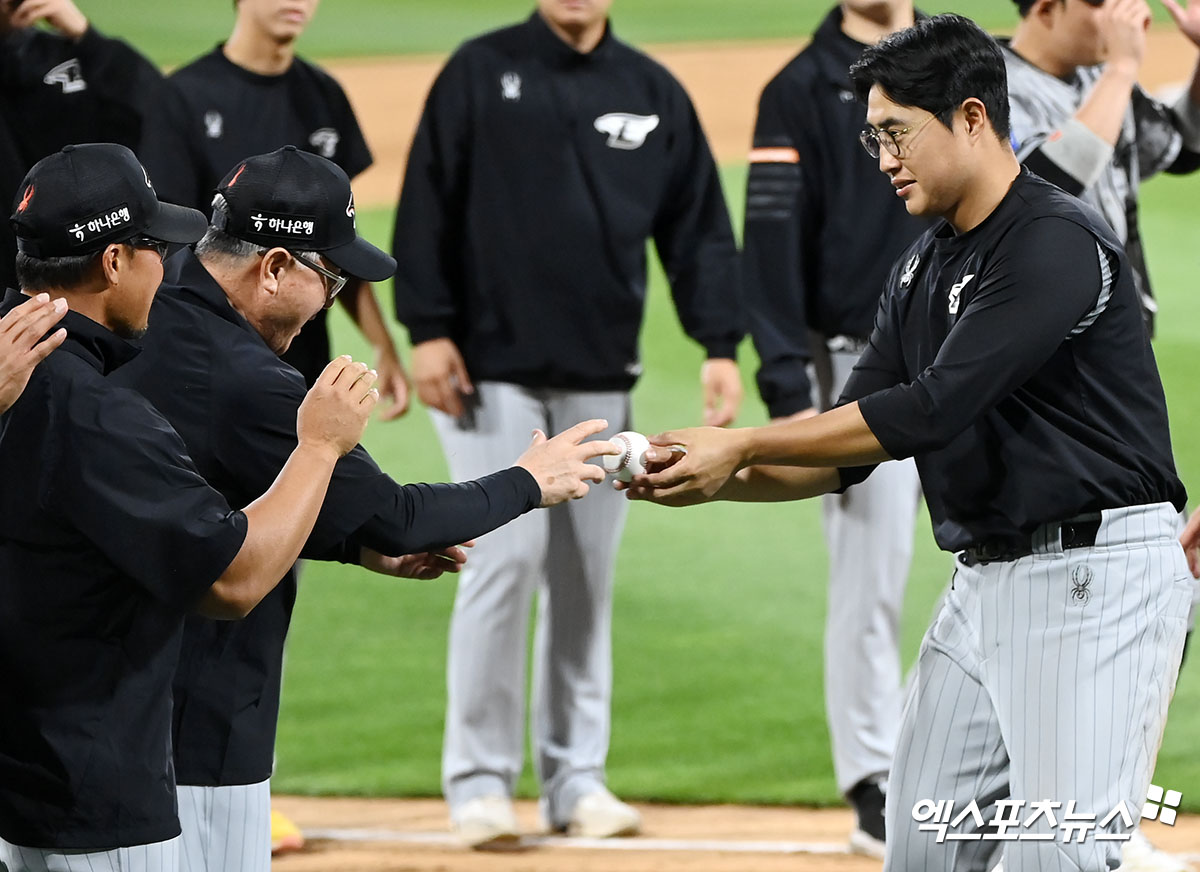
{"points": [[935, 65], [1023, 6], [55, 273]]}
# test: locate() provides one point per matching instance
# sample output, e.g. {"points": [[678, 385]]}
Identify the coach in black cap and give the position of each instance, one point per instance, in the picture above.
{"points": [[110, 535], [211, 366]]}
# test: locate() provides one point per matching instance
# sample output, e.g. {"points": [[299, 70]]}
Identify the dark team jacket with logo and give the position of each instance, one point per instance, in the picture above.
{"points": [[535, 179], [823, 225], [234, 403], [55, 91], [108, 538], [215, 114], [1014, 365]]}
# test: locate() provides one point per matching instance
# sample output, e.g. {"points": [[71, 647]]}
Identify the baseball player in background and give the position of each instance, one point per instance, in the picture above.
{"points": [[210, 366], [22, 346], [251, 95], [822, 229], [112, 536], [61, 84], [1079, 118], [1039, 427], [547, 155]]}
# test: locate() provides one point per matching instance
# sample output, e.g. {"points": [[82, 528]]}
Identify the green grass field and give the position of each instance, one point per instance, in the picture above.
{"points": [[719, 609], [174, 32]]}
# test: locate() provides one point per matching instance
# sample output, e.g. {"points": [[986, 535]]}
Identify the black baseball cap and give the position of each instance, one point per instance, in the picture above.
{"points": [[297, 200], [88, 196]]}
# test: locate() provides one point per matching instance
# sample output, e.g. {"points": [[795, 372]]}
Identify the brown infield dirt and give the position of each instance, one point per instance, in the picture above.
{"points": [[398, 835]]}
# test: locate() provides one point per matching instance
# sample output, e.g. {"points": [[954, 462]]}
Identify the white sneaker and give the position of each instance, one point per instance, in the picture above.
{"points": [[486, 823], [1138, 855], [600, 815]]}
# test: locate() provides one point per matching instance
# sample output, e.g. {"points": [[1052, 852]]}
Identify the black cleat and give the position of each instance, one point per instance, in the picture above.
{"points": [[867, 799]]}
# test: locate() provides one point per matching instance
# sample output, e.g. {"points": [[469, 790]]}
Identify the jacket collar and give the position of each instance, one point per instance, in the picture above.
{"points": [[93, 343], [549, 47]]}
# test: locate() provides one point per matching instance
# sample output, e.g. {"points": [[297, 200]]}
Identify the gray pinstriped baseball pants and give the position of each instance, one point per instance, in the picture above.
{"points": [[1044, 678], [155, 857], [225, 829]]}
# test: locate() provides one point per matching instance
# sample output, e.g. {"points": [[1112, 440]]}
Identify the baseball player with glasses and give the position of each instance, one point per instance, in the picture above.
{"points": [[822, 229], [1039, 428]]}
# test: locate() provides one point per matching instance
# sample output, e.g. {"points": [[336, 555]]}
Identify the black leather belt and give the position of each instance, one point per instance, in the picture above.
{"points": [[1077, 532]]}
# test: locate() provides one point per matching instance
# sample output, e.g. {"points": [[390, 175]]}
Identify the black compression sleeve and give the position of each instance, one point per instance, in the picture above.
{"points": [[425, 517]]}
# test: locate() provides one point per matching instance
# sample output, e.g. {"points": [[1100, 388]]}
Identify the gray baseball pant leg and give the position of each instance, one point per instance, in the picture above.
{"points": [[482, 751], [572, 669], [869, 533], [1044, 679], [154, 857], [225, 829]]}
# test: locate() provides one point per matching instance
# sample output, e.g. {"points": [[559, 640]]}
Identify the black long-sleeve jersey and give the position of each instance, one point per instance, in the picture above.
{"points": [[215, 114], [1013, 363], [55, 91], [535, 179], [823, 225], [234, 403]]}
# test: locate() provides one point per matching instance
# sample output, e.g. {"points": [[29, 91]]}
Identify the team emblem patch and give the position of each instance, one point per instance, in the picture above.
{"points": [[1081, 579], [325, 141], [284, 226], [910, 270], [25, 199], [510, 87], [626, 131], [68, 75], [956, 293], [214, 124]]}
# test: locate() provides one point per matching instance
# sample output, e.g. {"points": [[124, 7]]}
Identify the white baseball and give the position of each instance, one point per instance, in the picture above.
{"points": [[631, 460]]}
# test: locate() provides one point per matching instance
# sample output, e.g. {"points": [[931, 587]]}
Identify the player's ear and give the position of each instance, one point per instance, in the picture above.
{"points": [[975, 115], [271, 269]]}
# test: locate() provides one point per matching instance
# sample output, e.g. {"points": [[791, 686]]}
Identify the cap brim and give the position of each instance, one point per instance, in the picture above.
{"points": [[362, 260], [176, 224]]}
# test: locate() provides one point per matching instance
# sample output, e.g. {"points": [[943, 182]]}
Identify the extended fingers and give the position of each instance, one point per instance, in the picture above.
{"points": [[583, 430]]}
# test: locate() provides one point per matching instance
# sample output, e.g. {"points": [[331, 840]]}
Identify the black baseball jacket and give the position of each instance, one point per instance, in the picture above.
{"points": [[234, 403], [535, 179], [55, 91], [822, 223], [1012, 362]]}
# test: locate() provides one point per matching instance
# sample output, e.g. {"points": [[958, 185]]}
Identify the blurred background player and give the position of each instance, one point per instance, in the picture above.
{"points": [[548, 153], [211, 358], [251, 95], [822, 230], [1079, 118], [62, 84]]}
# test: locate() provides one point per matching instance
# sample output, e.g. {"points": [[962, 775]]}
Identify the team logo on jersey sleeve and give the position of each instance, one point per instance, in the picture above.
{"points": [[325, 141], [214, 124], [510, 87], [624, 130], [910, 270], [956, 293], [69, 75]]}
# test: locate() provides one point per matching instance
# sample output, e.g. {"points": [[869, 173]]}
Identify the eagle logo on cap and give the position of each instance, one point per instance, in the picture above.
{"points": [[25, 199], [233, 181]]}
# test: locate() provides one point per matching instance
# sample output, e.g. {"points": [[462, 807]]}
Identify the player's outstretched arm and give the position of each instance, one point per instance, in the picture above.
{"points": [[1190, 540], [22, 346], [559, 465], [754, 484], [329, 423], [836, 438]]}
